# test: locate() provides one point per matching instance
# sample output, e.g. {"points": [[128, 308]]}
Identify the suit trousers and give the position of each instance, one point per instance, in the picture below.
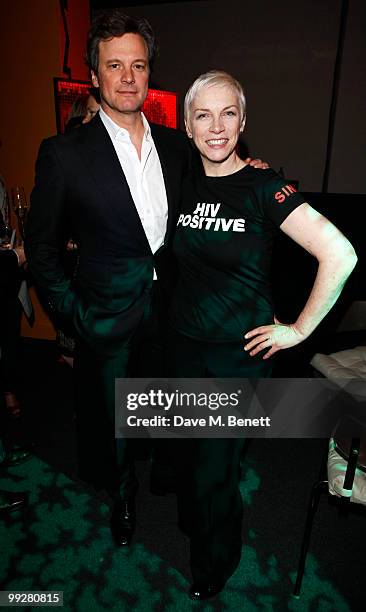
{"points": [[104, 460], [210, 508]]}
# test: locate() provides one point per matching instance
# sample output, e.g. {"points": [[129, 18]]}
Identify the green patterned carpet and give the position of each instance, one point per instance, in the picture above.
{"points": [[62, 542]]}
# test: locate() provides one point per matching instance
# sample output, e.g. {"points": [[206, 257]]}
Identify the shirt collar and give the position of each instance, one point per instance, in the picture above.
{"points": [[118, 133]]}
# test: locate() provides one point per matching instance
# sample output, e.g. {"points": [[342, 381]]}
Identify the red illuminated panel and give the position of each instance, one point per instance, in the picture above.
{"points": [[161, 107], [66, 92]]}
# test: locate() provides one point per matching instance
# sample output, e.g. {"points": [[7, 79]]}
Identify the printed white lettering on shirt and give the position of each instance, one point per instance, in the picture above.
{"points": [[204, 217]]}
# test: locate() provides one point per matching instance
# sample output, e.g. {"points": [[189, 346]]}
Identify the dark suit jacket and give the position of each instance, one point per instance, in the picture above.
{"points": [[80, 186]]}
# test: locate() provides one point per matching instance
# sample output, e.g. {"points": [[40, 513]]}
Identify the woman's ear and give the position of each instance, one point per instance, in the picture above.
{"points": [[242, 125], [188, 130]]}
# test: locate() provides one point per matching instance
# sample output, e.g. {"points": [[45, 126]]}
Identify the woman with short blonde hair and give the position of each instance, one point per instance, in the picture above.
{"points": [[222, 313]]}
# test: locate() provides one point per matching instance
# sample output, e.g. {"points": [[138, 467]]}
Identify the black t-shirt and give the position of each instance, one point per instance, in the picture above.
{"points": [[223, 243]]}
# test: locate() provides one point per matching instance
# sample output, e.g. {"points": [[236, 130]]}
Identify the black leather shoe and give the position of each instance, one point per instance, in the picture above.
{"points": [[15, 456], [204, 591], [123, 519], [10, 501]]}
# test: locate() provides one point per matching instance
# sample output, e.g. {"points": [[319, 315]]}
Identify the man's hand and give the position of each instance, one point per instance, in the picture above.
{"points": [[275, 337], [256, 163]]}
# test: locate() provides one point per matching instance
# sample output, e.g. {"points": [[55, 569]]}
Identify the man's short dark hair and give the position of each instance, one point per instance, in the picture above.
{"points": [[112, 23]]}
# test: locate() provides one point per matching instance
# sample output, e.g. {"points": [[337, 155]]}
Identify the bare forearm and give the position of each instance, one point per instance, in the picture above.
{"points": [[330, 279], [336, 258]]}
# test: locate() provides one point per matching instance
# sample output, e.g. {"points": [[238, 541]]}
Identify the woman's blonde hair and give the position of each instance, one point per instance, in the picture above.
{"points": [[209, 79]]}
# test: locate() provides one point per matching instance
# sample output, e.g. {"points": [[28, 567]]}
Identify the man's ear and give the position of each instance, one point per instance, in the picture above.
{"points": [[94, 79], [189, 133]]}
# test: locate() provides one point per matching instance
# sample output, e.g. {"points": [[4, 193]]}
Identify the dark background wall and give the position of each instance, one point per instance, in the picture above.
{"points": [[284, 53]]}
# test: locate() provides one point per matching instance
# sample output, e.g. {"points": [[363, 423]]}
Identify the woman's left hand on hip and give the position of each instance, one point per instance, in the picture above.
{"points": [[273, 337]]}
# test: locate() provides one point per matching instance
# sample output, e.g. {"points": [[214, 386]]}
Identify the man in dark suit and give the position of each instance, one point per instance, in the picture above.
{"points": [[113, 185]]}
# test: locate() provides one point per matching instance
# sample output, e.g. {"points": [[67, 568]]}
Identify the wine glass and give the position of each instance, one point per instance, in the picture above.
{"points": [[20, 206]]}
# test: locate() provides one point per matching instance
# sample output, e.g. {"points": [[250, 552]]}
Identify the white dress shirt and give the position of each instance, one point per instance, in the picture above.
{"points": [[144, 178]]}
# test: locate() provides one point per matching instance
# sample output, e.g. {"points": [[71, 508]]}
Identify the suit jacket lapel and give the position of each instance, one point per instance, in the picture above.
{"points": [[101, 158]]}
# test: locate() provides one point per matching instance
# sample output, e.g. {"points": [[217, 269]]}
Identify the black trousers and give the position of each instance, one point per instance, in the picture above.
{"points": [[104, 461], [210, 506]]}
